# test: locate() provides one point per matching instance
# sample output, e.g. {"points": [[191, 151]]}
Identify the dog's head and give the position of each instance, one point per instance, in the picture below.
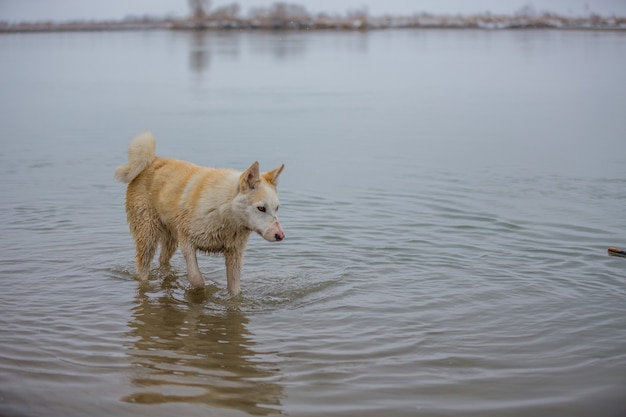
{"points": [[259, 198]]}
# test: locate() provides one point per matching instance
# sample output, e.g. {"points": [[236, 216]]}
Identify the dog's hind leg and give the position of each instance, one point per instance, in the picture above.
{"points": [[146, 248], [146, 231], [169, 244]]}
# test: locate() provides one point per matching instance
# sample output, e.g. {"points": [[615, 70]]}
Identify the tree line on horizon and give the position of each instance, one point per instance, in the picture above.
{"points": [[201, 9], [293, 16]]}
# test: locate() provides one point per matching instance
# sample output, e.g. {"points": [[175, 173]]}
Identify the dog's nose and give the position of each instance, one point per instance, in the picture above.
{"points": [[279, 236]]}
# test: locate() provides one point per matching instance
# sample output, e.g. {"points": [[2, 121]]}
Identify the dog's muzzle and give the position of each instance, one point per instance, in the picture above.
{"points": [[274, 233]]}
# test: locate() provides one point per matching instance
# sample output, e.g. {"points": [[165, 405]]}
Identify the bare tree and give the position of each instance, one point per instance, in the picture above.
{"points": [[280, 12], [229, 11], [199, 8]]}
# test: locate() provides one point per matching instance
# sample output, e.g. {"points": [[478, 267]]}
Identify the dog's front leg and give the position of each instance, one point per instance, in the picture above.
{"points": [[193, 271], [234, 263]]}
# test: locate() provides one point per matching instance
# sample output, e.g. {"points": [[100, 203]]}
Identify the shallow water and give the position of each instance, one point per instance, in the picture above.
{"points": [[448, 200]]}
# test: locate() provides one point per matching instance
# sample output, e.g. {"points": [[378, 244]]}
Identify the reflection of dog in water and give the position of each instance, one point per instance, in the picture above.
{"points": [[171, 202], [183, 352]]}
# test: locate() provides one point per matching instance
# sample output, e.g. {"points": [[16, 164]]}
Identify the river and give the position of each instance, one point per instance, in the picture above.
{"points": [[448, 200]]}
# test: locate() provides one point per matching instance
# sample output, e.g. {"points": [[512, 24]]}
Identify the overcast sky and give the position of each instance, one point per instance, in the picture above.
{"points": [[59, 10]]}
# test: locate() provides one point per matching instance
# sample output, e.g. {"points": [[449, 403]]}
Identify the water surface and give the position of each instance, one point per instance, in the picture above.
{"points": [[448, 200]]}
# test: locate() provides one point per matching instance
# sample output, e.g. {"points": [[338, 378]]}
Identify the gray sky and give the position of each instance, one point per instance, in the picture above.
{"points": [[59, 10]]}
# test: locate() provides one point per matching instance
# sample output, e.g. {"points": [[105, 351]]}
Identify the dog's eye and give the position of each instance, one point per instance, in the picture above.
{"points": [[277, 207], [261, 209]]}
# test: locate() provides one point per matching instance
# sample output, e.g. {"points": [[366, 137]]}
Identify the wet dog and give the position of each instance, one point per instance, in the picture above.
{"points": [[171, 202]]}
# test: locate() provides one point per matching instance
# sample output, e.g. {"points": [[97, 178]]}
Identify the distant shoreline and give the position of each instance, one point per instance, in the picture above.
{"points": [[358, 23]]}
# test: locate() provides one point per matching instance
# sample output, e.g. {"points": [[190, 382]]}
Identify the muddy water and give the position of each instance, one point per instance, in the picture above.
{"points": [[448, 199]]}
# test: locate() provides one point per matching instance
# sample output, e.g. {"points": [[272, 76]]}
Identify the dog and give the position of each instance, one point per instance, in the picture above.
{"points": [[170, 202]]}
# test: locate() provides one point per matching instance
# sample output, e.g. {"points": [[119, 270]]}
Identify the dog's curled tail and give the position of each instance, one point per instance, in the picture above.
{"points": [[140, 156]]}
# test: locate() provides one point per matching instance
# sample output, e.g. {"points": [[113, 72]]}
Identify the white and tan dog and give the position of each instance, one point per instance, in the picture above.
{"points": [[171, 202]]}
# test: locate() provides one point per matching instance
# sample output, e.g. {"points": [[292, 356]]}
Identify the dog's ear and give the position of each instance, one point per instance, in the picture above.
{"points": [[250, 178], [272, 176]]}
